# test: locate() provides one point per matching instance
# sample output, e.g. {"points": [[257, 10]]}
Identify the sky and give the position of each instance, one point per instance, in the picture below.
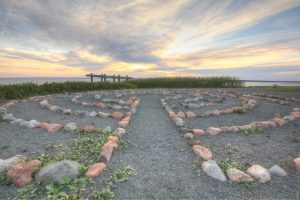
{"points": [[249, 39]]}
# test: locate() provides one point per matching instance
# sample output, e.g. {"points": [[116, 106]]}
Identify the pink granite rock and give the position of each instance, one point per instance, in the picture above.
{"points": [[213, 131], [21, 173], [95, 170], [190, 114], [202, 152]]}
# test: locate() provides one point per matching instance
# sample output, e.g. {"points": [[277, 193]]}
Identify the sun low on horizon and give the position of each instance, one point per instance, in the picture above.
{"points": [[252, 40]]}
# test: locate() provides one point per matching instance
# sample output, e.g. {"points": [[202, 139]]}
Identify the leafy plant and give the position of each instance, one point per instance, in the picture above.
{"points": [[197, 166], [104, 194], [252, 131], [228, 164]]}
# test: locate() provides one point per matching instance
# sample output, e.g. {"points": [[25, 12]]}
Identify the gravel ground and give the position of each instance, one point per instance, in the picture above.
{"points": [[163, 159]]}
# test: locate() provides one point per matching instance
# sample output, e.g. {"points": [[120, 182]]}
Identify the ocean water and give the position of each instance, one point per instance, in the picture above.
{"points": [[41, 80]]}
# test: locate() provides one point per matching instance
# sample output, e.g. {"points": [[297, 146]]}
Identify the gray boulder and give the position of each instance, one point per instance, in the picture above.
{"points": [[212, 169], [277, 170], [8, 117], [54, 172]]}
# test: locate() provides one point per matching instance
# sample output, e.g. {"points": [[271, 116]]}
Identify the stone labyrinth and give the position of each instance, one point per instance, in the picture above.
{"points": [[202, 116], [188, 108]]}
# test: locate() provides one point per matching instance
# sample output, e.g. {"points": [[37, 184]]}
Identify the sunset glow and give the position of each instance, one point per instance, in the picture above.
{"points": [[256, 40]]}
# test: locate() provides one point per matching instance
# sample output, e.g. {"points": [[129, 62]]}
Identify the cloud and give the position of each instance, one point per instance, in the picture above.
{"points": [[150, 37]]}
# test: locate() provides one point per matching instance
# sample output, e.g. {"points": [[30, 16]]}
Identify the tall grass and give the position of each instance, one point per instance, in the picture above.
{"points": [[19, 91], [187, 82]]}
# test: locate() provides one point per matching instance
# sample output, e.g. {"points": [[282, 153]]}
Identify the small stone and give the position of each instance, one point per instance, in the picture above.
{"points": [[98, 96], [190, 114], [8, 117], [202, 152], [100, 105], [117, 107], [3, 110], [278, 121], [21, 173], [212, 169], [193, 142], [88, 129], [106, 152], [54, 108], [198, 131], [121, 131], [180, 114], [297, 162], [178, 121], [238, 176], [95, 170], [44, 103], [260, 173], [103, 114], [213, 130], [188, 136], [53, 127], [70, 127], [277, 170], [117, 115], [296, 114], [123, 123], [54, 172], [67, 111], [93, 114], [106, 129]]}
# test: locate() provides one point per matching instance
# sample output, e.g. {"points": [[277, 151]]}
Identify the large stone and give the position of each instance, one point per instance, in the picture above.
{"points": [[117, 115], [7, 163], [212, 169], [260, 173], [202, 152], [3, 110], [190, 114], [70, 127], [54, 172], [238, 176], [277, 170], [21, 173], [213, 130]]}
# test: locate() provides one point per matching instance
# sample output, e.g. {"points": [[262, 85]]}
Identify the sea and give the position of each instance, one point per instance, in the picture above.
{"points": [[41, 80]]}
